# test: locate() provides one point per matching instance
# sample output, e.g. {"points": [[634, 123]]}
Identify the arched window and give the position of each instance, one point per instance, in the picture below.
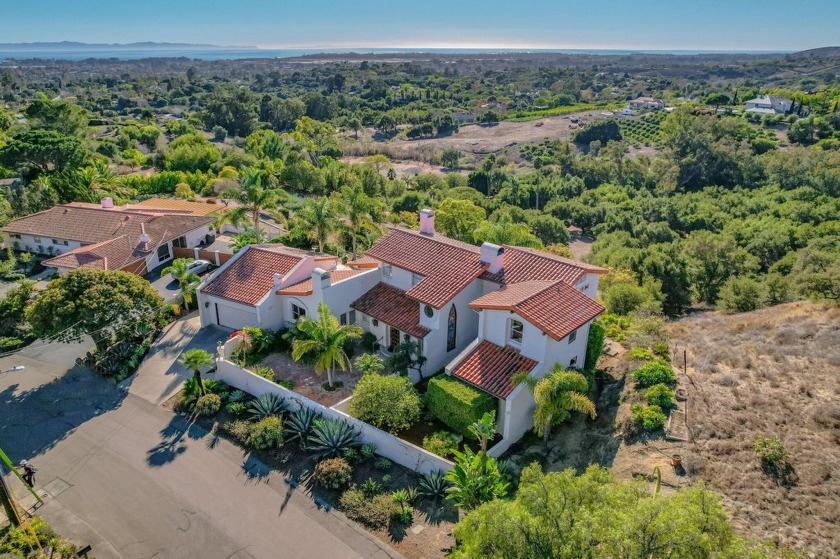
{"points": [[451, 329]]}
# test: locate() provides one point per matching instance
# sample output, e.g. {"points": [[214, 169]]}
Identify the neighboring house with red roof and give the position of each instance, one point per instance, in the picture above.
{"points": [[481, 314], [104, 237]]}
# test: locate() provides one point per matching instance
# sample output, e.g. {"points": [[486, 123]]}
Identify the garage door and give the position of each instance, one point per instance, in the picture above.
{"points": [[235, 317]]}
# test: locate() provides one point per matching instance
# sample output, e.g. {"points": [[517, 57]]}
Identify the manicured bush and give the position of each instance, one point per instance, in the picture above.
{"points": [[368, 341], [208, 404], [374, 512], [660, 395], [267, 433], [441, 443], [650, 418], [239, 430], [333, 473], [457, 404], [388, 402], [654, 372]]}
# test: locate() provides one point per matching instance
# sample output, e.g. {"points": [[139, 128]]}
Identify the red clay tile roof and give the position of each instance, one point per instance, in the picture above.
{"points": [[95, 225], [491, 367], [447, 265], [527, 264], [392, 306], [555, 308], [251, 276], [364, 262], [108, 255], [305, 287]]}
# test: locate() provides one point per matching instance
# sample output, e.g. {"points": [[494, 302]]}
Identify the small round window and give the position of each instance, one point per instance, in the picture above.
{"points": [[430, 312]]}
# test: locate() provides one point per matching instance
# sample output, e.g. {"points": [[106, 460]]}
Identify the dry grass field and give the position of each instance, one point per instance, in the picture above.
{"points": [[773, 372]]}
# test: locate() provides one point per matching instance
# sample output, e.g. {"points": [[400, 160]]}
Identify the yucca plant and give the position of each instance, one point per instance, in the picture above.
{"points": [[300, 424], [433, 485], [267, 405], [330, 438]]}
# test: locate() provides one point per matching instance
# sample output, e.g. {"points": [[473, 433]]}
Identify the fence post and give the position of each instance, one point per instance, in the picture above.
{"points": [[196, 253], [216, 252]]}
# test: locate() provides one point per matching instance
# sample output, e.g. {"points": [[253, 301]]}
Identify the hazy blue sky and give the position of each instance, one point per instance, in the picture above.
{"points": [[640, 24]]}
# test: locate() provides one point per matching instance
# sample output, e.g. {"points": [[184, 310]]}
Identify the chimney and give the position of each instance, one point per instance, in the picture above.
{"points": [[277, 280], [493, 255], [321, 280], [107, 203], [427, 221], [144, 237]]}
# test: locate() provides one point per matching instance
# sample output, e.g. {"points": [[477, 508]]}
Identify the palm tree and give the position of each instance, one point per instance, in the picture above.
{"points": [[557, 394], [324, 337], [194, 360], [358, 205], [320, 219], [253, 198], [186, 281]]}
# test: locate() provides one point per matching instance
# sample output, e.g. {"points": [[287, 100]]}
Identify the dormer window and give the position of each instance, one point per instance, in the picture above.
{"points": [[387, 270], [515, 330]]}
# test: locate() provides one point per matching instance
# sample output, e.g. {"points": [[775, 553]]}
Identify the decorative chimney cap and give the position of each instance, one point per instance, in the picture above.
{"points": [[145, 239]]}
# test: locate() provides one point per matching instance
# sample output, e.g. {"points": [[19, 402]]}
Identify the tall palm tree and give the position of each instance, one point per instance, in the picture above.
{"points": [[252, 199], [187, 282], [325, 338], [320, 219], [194, 360], [557, 394], [357, 205]]}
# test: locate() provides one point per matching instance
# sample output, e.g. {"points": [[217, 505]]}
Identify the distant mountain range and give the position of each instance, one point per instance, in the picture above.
{"points": [[145, 45]]}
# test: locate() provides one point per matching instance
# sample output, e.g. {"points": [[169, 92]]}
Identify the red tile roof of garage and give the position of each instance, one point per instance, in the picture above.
{"points": [[446, 265], [555, 308], [251, 276], [392, 306], [364, 262], [491, 368], [305, 287]]}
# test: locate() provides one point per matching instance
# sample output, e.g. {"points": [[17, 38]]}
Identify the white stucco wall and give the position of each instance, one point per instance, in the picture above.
{"points": [[589, 285], [434, 346], [28, 243], [400, 278]]}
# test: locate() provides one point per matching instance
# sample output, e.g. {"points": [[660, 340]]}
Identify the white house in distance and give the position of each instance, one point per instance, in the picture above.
{"points": [[106, 237], [646, 103], [768, 104], [481, 314]]}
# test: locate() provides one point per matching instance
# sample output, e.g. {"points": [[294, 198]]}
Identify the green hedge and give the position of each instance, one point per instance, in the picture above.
{"points": [[456, 403]]}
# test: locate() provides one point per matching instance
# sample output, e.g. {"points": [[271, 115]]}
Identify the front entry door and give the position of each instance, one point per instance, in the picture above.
{"points": [[393, 338]]}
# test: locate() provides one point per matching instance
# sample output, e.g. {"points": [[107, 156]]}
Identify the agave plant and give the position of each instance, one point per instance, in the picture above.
{"points": [[300, 424], [371, 488], [330, 437], [267, 405], [368, 451], [433, 485]]}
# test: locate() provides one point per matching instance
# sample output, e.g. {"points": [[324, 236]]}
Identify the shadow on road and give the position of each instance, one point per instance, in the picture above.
{"points": [[172, 441], [35, 420]]}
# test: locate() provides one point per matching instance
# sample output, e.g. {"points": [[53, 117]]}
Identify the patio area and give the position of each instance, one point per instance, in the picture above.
{"points": [[307, 382]]}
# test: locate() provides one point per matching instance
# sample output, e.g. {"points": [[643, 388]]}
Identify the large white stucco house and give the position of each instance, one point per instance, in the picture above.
{"points": [[107, 237], [768, 104], [480, 314]]}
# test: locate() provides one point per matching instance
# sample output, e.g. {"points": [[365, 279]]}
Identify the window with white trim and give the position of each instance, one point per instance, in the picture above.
{"points": [[297, 312], [163, 252], [573, 336], [515, 330], [352, 316]]}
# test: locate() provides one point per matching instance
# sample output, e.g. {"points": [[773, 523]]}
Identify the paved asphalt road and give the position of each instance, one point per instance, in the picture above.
{"points": [[135, 481]]}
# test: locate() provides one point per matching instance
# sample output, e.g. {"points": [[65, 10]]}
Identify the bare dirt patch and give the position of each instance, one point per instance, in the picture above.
{"points": [[307, 383]]}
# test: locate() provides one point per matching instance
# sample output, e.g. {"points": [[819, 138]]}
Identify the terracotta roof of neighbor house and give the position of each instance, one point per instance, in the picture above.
{"points": [[555, 308], [305, 287], [94, 225], [447, 265], [392, 306], [527, 264], [491, 367], [251, 276], [165, 205]]}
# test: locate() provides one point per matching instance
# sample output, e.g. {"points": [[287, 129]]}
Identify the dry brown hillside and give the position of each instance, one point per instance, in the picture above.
{"points": [[773, 372]]}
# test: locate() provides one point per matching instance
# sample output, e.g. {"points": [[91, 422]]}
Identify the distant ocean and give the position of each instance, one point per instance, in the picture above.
{"points": [[232, 54]]}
